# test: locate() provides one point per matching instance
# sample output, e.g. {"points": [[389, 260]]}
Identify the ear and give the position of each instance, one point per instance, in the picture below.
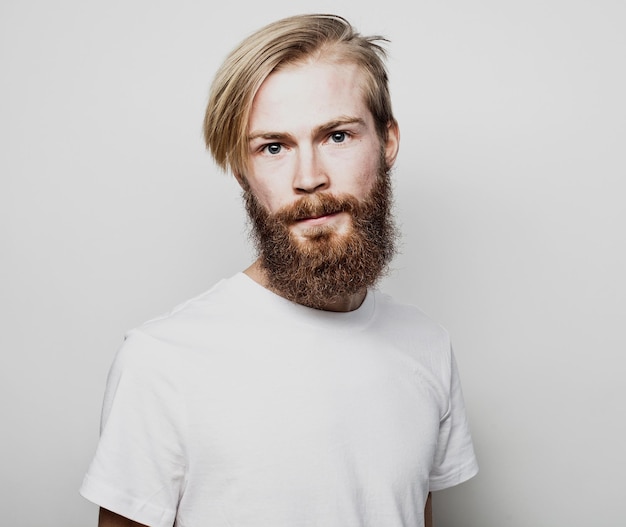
{"points": [[392, 144]]}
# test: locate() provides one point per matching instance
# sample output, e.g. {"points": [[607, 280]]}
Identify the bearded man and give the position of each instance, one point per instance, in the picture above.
{"points": [[294, 392]]}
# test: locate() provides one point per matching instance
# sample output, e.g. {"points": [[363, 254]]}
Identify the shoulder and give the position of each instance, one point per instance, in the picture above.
{"points": [[179, 338], [409, 318], [415, 335], [192, 323]]}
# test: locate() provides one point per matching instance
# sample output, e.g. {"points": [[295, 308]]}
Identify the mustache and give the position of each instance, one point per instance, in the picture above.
{"points": [[316, 206]]}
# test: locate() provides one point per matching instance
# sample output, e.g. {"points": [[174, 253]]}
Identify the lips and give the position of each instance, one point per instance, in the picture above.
{"points": [[317, 219], [318, 216], [315, 211]]}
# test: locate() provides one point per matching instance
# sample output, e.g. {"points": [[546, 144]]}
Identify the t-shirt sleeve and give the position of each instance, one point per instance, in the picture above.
{"points": [[138, 470], [455, 460]]}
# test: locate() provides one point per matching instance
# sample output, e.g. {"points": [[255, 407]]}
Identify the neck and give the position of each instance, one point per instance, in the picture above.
{"points": [[342, 305]]}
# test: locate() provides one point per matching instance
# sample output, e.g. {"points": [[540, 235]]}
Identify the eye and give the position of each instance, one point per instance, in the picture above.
{"points": [[273, 148], [338, 137]]}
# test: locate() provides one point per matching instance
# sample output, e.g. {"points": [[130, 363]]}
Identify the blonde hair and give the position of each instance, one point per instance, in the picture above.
{"points": [[287, 41]]}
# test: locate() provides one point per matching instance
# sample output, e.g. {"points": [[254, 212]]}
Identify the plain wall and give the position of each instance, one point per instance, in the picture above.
{"points": [[509, 190]]}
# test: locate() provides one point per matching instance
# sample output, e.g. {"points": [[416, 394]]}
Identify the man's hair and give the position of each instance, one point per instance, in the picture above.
{"points": [[288, 41]]}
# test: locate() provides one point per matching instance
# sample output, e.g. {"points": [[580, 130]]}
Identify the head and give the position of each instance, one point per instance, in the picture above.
{"points": [[288, 41], [300, 113]]}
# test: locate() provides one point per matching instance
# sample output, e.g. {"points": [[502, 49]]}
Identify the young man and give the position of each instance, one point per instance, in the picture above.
{"points": [[292, 393]]}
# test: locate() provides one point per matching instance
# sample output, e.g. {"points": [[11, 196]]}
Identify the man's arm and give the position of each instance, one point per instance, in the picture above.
{"points": [[428, 511], [110, 519], [106, 518]]}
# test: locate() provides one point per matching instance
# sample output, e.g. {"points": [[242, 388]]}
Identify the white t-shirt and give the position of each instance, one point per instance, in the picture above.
{"points": [[240, 409]]}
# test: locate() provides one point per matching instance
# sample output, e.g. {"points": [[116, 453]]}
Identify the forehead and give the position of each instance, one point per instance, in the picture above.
{"points": [[307, 94]]}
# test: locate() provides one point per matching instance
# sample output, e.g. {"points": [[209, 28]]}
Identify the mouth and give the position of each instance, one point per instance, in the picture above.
{"points": [[317, 219]]}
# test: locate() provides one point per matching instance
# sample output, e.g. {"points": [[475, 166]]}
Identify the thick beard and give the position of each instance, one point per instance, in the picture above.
{"points": [[326, 266]]}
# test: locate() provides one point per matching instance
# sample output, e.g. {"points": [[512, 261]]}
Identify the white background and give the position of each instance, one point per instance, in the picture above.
{"points": [[510, 192]]}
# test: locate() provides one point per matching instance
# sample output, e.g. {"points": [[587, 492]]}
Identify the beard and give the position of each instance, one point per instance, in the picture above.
{"points": [[322, 265]]}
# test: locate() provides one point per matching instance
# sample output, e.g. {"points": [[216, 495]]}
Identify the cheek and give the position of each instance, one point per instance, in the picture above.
{"points": [[360, 178], [356, 170], [268, 197], [270, 184]]}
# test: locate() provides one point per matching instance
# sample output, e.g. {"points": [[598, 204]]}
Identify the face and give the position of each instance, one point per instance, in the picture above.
{"points": [[311, 133], [318, 190]]}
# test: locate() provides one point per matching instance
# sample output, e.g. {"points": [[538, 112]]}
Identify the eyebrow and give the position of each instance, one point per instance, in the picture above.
{"points": [[319, 130]]}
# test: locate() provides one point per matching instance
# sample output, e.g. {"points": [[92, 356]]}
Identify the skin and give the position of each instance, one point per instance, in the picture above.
{"points": [[106, 518], [310, 132], [110, 519]]}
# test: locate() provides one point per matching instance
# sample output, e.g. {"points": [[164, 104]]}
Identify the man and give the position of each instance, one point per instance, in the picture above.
{"points": [[292, 393]]}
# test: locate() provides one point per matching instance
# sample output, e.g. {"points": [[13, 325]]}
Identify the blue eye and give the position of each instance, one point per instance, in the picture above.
{"points": [[338, 137], [273, 148]]}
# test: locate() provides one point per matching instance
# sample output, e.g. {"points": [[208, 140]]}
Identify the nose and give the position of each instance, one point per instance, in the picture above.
{"points": [[310, 175]]}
